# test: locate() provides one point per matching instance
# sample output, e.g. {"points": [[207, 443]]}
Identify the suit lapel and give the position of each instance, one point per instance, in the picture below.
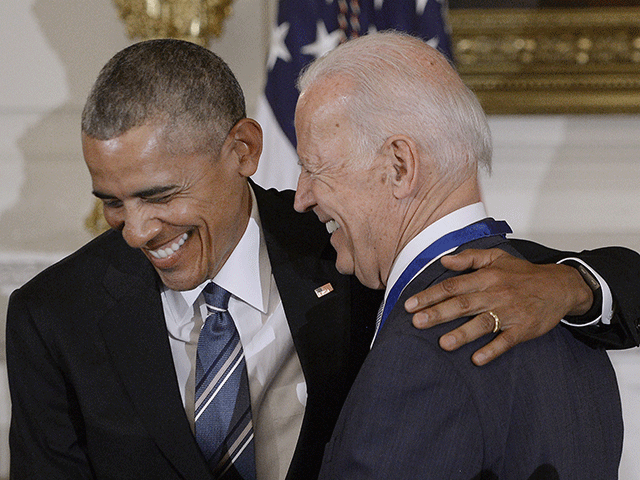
{"points": [[302, 260], [136, 337]]}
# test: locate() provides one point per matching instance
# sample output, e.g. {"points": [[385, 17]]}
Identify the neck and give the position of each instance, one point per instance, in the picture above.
{"points": [[437, 202]]}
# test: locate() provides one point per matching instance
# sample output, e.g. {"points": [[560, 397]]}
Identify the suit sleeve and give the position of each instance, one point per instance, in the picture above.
{"points": [[45, 435], [414, 418], [620, 268]]}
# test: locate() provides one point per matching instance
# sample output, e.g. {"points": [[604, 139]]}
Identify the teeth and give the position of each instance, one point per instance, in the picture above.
{"points": [[332, 226], [166, 252]]}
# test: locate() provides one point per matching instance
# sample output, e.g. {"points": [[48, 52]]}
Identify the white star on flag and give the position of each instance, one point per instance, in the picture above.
{"points": [[278, 48], [433, 42], [301, 36], [325, 41], [420, 6]]}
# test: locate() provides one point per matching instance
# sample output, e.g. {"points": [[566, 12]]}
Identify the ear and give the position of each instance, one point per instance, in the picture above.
{"points": [[245, 143], [402, 153]]}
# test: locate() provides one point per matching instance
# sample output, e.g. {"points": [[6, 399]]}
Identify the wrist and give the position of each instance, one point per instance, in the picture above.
{"points": [[588, 302]]}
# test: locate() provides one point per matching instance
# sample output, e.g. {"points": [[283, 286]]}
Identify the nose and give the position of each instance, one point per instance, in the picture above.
{"points": [[304, 200], [139, 226]]}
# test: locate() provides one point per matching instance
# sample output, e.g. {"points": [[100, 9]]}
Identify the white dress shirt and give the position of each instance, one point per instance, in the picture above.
{"points": [[276, 381]]}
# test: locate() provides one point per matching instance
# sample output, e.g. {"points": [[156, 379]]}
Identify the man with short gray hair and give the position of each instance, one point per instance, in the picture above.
{"points": [[390, 140]]}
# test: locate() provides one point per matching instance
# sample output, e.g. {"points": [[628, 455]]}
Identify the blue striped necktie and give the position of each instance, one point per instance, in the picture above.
{"points": [[223, 426]]}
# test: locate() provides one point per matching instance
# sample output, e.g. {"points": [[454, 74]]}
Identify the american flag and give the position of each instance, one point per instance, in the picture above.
{"points": [[307, 29]]}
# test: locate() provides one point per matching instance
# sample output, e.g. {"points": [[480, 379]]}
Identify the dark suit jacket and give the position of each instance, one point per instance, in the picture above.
{"points": [[93, 384], [547, 409]]}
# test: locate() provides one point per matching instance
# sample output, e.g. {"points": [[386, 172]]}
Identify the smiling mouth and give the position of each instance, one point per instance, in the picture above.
{"points": [[171, 249], [332, 226]]}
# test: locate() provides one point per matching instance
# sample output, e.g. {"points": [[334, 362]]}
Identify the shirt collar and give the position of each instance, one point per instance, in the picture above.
{"points": [[250, 257], [455, 220]]}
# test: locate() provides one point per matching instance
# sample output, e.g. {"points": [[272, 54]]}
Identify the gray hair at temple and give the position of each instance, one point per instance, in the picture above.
{"points": [[178, 85], [401, 85]]}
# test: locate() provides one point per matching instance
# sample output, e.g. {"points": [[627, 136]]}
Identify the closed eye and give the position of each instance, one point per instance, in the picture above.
{"points": [[157, 194], [111, 203], [304, 169], [158, 199], [108, 201]]}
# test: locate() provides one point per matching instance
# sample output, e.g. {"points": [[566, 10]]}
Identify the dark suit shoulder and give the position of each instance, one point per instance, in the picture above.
{"points": [[75, 279], [550, 402], [549, 395]]}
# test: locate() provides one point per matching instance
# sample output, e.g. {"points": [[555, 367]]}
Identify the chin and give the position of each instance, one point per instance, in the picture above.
{"points": [[372, 284], [179, 284], [344, 269], [370, 280]]}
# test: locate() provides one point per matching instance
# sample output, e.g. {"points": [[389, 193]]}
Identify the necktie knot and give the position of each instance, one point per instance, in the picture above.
{"points": [[216, 297]]}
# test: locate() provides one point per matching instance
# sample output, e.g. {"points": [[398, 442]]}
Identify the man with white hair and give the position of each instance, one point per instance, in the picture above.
{"points": [[390, 141]]}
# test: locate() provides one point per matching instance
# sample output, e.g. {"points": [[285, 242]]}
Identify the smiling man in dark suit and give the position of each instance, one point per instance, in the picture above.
{"points": [[102, 347], [390, 141]]}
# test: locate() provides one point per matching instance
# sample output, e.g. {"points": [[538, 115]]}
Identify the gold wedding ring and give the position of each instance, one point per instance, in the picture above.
{"points": [[496, 326]]}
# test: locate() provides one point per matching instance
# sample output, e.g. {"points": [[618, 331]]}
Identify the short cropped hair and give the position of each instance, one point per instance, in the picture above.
{"points": [[178, 85], [401, 85]]}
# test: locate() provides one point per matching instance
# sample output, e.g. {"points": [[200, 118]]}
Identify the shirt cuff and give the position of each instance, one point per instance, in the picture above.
{"points": [[606, 309]]}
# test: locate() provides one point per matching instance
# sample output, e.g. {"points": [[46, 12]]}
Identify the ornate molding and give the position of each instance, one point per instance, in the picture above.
{"points": [[583, 60], [193, 20]]}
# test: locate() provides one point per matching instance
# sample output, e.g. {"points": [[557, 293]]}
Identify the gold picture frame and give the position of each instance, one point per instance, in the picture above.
{"points": [[571, 60]]}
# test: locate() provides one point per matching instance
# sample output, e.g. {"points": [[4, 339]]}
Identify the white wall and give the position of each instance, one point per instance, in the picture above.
{"points": [[570, 182]]}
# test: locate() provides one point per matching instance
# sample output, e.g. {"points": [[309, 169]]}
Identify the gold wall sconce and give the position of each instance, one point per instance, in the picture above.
{"points": [[193, 20]]}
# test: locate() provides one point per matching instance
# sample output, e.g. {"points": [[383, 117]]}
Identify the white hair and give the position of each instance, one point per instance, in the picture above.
{"points": [[401, 85]]}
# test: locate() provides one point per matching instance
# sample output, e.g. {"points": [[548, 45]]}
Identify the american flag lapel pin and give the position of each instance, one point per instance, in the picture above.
{"points": [[323, 290]]}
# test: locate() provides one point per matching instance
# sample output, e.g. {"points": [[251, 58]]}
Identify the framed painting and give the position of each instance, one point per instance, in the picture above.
{"points": [[549, 56]]}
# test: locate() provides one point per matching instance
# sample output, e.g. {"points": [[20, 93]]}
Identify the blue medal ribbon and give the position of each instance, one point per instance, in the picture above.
{"points": [[484, 228]]}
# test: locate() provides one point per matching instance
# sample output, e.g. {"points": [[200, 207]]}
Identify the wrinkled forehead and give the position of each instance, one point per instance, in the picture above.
{"points": [[321, 129], [331, 89], [322, 111]]}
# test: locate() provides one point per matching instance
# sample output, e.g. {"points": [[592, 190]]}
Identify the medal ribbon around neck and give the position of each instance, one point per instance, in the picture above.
{"points": [[484, 228]]}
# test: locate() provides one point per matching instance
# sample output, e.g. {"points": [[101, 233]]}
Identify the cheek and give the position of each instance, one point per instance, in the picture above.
{"points": [[357, 227], [216, 227], [186, 213], [181, 210], [343, 245]]}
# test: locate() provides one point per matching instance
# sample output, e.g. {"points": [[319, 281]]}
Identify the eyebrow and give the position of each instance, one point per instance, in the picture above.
{"points": [[149, 192]]}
